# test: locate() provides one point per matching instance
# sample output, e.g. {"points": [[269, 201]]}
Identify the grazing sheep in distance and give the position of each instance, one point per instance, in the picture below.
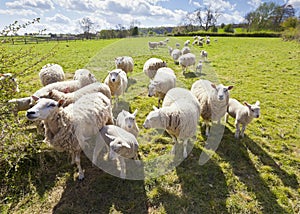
{"points": [[51, 73], [126, 121], [179, 116], [187, 60], [204, 55], [67, 129], [153, 45], [213, 100], [187, 42], [121, 143], [243, 114], [125, 63], [152, 65], [163, 81], [117, 82], [11, 79], [185, 50], [177, 45], [73, 96]]}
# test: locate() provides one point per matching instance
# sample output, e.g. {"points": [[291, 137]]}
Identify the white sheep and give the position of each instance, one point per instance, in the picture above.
{"points": [[68, 129], [187, 60], [8, 76], [152, 65], [213, 100], [207, 41], [73, 96], [187, 42], [84, 75], [198, 42], [243, 114], [185, 50], [199, 66], [153, 45], [179, 116], [20, 104], [127, 121], [117, 82], [163, 81], [162, 43], [176, 53], [125, 63], [122, 145], [51, 73], [204, 54]]}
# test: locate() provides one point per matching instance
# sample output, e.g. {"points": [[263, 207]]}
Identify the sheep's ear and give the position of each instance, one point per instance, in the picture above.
{"points": [[60, 103], [230, 87], [154, 108], [35, 98], [135, 112], [111, 137], [124, 143], [247, 104], [257, 103], [214, 86]]}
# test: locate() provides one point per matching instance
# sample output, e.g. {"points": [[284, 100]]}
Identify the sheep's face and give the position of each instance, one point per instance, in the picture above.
{"points": [[153, 120], [130, 121], [254, 109], [118, 61], [222, 91], [117, 146], [151, 89], [43, 109], [114, 75]]}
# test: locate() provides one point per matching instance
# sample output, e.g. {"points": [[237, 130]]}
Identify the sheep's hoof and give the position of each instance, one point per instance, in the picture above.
{"points": [[184, 154], [80, 177], [123, 176]]}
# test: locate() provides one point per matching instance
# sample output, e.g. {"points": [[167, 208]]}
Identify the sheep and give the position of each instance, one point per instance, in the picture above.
{"points": [[186, 43], [198, 42], [186, 60], [162, 43], [152, 65], [73, 96], [125, 63], [243, 114], [213, 100], [153, 45], [185, 50], [20, 104], [68, 129], [179, 116], [121, 143], [117, 82], [176, 53], [82, 78], [204, 55], [207, 41], [199, 66], [51, 73], [13, 81], [163, 81], [167, 40], [126, 121]]}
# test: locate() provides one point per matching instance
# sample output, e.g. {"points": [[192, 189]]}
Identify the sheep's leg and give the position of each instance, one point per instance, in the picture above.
{"points": [[237, 132], [123, 167], [207, 128], [77, 161], [73, 158], [174, 140], [226, 117], [184, 148], [243, 130]]}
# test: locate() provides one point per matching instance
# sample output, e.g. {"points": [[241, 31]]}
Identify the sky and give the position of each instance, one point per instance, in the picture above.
{"points": [[63, 16]]}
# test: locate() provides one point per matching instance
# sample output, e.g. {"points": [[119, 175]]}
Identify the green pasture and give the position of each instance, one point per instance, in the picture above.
{"points": [[257, 174]]}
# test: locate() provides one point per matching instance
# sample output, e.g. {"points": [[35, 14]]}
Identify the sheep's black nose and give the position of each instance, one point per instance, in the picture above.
{"points": [[30, 113], [113, 80]]}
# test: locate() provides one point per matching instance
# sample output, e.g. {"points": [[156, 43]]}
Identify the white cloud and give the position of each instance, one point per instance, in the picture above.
{"points": [[295, 3], [39, 4], [18, 12], [59, 18], [254, 3], [227, 18], [219, 5]]}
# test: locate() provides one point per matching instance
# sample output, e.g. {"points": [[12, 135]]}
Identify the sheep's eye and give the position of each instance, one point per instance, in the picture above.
{"points": [[51, 105], [225, 90]]}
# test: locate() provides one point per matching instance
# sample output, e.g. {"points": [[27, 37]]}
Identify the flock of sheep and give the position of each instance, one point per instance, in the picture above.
{"points": [[75, 111]]}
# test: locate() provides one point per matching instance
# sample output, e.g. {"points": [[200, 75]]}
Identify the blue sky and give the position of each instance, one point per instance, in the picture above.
{"points": [[62, 16]]}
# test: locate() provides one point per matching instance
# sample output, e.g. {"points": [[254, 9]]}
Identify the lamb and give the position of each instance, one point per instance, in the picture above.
{"points": [[204, 55], [126, 121], [163, 81], [178, 116], [243, 114], [73, 96], [152, 65], [187, 42], [125, 63], [213, 100], [187, 60], [117, 82], [199, 66], [153, 45], [185, 50], [67, 129], [121, 143], [51, 73], [13, 81]]}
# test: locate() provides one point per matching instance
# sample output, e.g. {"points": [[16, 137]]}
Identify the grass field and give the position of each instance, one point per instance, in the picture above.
{"points": [[257, 174]]}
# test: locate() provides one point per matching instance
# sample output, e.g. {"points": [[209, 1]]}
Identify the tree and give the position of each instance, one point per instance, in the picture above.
{"points": [[86, 25]]}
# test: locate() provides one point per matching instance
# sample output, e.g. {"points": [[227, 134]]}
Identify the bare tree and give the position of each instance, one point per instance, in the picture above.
{"points": [[86, 25]]}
